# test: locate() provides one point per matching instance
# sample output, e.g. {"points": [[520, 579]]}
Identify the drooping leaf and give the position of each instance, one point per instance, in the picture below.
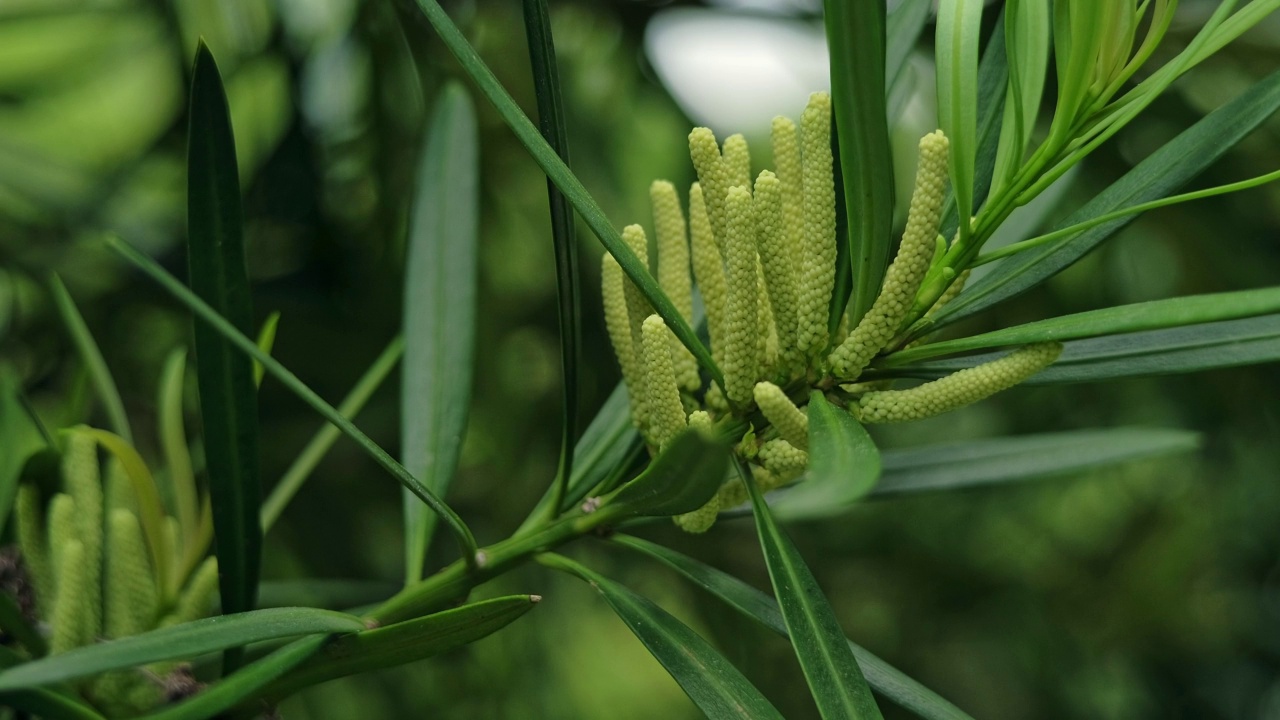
{"points": [[104, 385], [856, 39], [243, 684], [681, 479], [834, 678], [844, 463], [760, 607], [178, 642], [546, 87], [559, 173], [1161, 173], [1137, 317], [439, 312], [404, 642], [712, 682], [206, 314], [228, 394], [1028, 457], [328, 434]]}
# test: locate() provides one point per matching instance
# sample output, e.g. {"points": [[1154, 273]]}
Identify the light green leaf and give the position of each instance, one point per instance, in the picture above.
{"points": [[178, 642], [712, 682], [439, 312], [844, 463], [1164, 171], [1026, 31], [228, 394], [1231, 343], [266, 341], [1153, 315], [1029, 457], [883, 677], [245, 683], [959, 28], [99, 375], [404, 642], [180, 487], [681, 479], [830, 668], [903, 27]]}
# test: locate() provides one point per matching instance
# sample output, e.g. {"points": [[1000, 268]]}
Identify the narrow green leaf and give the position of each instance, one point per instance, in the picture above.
{"points": [[830, 668], [404, 642], [903, 27], [266, 341], [439, 312], [328, 434], [559, 173], [1153, 315], [103, 384], [22, 439], [959, 35], [844, 463], [16, 626], [681, 479], [856, 39], [1026, 31], [178, 642], [49, 705], [330, 594], [1231, 343], [1028, 457], [181, 481], [546, 88], [228, 397], [1161, 173], [711, 682], [243, 684], [174, 287], [883, 677]]}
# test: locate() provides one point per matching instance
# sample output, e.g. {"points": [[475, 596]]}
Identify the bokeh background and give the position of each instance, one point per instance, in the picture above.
{"points": [[1147, 591]]}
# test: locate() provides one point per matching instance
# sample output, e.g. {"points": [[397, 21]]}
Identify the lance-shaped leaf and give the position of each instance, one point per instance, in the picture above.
{"points": [[760, 607], [1230, 343], [104, 385], [682, 479], [178, 642], [1152, 315], [439, 312], [712, 682], [959, 26], [844, 463], [1158, 175], [1028, 457], [834, 678], [856, 38], [546, 87], [228, 394], [404, 642], [242, 685]]}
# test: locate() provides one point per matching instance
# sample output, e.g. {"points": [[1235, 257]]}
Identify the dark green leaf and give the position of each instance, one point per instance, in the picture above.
{"points": [[546, 87], [559, 173], [886, 679], [711, 681], [103, 384], [681, 479], [830, 668], [1163, 172], [16, 626], [1231, 343], [404, 642], [856, 38], [844, 463], [1028, 457], [439, 312], [242, 685], [324, 593], [49, 705], [1153, 315], [21, 438], [228, 394], [178, 642], [273, 367]]}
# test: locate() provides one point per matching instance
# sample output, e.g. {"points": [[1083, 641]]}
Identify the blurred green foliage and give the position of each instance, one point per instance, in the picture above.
{"points": [[1151, 591]]}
